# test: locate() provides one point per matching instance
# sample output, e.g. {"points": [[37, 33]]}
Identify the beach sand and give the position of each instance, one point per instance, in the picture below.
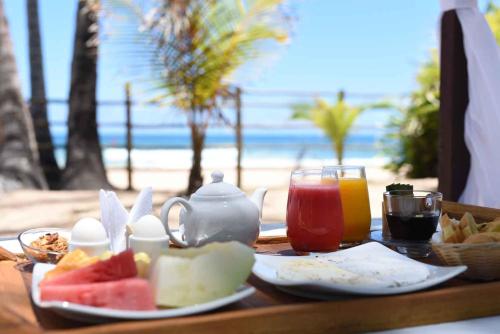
{"points": [[25, 209]]}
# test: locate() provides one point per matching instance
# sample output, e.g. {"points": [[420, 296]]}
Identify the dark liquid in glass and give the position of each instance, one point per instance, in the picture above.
{"points": [[417, 227]]}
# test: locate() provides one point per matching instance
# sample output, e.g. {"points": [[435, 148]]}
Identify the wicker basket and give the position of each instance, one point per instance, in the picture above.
{"points": [[482, 260]]}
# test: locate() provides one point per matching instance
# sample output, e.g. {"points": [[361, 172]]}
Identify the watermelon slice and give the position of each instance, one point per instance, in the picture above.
{"points": [[117, 267], [125, 294]]}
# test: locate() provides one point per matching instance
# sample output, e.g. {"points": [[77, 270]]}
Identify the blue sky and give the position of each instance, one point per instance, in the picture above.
{"points": [[362, 46]]}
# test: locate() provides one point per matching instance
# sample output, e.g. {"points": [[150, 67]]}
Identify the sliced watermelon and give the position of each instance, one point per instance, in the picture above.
{"points": [[124, 294], [117, 267]]}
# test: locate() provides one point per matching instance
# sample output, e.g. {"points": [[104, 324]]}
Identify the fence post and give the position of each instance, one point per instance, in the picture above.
{"points": [[128, 110], [239, 137]]}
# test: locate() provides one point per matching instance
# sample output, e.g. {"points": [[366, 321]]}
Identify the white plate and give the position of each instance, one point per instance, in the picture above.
{"points": [[99, 314], [362, 260]]}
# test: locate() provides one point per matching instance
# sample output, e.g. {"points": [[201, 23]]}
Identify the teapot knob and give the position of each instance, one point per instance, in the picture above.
{"points": [[217, 176]]}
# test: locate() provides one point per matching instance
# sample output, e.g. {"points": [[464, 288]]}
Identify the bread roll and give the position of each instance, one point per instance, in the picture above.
{"points": [[493, 226], [447, 230], [468, 225], [483, 238]]}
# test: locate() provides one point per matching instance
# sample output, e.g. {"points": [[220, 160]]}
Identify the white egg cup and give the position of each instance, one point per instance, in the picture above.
{"points": [[91, 248], [154, 247]]}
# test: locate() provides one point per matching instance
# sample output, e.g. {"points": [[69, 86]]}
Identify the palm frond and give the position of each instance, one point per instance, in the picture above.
{"points": [[195, 46], [336, 120]]}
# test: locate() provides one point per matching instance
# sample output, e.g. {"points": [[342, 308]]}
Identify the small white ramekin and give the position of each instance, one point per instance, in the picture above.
{"points": [[91, 248], [154, 247]]}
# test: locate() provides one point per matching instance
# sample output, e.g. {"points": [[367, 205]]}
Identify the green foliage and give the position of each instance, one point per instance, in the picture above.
{"points": [[493, 19], [193, 47], [399, 187], [336, 120], [416, 130]]}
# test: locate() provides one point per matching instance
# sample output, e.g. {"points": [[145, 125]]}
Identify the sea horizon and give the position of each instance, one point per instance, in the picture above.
{"points": [[276, 148]]}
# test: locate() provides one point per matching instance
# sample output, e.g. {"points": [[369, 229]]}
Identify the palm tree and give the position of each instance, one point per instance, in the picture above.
{"points": [[412, 142], [19, 167], [196, 45], [335, 120], [38, 105], [493, 18], [413, 139], [84, 164]]}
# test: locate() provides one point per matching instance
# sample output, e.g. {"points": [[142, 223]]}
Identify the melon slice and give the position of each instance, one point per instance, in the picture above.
{"points": [[125, 294], [117, 267], [197, 275]]}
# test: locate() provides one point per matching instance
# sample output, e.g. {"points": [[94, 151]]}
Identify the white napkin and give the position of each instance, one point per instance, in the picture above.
{"points": [[143, 205], [115, 217]]}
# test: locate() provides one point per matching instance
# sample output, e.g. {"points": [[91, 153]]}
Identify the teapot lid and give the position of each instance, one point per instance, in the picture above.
{"points": [[218, 187]]}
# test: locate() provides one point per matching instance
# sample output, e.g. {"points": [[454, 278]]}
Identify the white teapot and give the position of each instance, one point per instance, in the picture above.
{"points": [[218, 211]]}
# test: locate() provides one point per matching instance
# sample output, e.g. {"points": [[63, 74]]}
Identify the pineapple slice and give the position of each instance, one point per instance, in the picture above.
{"points": [[73, 260], [142, 262], [106, 255]]}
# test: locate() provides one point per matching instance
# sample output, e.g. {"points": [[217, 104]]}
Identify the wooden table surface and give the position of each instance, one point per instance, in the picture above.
{"points": [[269, 310]]}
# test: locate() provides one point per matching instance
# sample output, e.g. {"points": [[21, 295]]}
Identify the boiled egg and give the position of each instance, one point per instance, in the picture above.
{"points": [[148, 226], [89, 235]]}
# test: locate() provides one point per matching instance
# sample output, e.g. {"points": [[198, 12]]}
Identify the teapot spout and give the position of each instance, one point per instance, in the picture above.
{"points": [[258, 198]]}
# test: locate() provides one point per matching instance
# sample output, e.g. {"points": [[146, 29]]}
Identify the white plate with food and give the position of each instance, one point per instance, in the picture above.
{"points": [[97, 314], [368, 269]]}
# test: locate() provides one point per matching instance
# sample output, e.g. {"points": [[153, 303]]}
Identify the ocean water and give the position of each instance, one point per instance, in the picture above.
{"points": [[263, 148], [270, 137]]}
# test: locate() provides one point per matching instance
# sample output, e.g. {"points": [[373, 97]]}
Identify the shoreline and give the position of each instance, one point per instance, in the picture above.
{"points": [[226, 157]]}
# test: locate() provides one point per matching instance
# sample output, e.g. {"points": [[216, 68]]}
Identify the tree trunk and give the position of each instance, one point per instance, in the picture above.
{"points": [[19, 165], [197, 143], [339, 149], [84, 165], [38, 105]]}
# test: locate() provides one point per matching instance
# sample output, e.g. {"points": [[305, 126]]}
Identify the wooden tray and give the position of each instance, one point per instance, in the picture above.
{"points": [[270, 310]]}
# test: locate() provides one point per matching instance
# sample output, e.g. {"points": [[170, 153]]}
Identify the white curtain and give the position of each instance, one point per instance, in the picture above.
{"points": [[482, 117]]}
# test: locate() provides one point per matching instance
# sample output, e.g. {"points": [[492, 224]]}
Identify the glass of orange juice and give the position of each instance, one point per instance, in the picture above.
{"points": [[355, 203]]}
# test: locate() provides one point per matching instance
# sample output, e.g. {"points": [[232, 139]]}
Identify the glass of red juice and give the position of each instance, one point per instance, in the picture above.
{"points": [[314, 216]]}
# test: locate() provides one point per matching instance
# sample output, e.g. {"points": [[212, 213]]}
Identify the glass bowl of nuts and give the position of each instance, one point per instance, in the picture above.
{"points": [[47, 245]]}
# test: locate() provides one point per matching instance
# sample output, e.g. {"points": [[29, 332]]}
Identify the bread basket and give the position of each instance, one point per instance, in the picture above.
{"points": [[482, 260]]}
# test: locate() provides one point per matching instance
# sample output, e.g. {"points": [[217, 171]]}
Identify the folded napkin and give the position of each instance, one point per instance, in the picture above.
{"points": [[115, 217]]}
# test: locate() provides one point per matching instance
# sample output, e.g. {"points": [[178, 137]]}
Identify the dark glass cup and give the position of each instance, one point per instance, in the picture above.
{"points": [[412, 215]]}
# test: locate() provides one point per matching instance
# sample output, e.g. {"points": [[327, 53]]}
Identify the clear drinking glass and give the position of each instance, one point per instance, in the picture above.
{"points": [[412, 215], [314, 211], [355, 203]]}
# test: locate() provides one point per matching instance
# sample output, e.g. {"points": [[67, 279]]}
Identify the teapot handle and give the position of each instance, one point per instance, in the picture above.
{"points": [[164, 218]]}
